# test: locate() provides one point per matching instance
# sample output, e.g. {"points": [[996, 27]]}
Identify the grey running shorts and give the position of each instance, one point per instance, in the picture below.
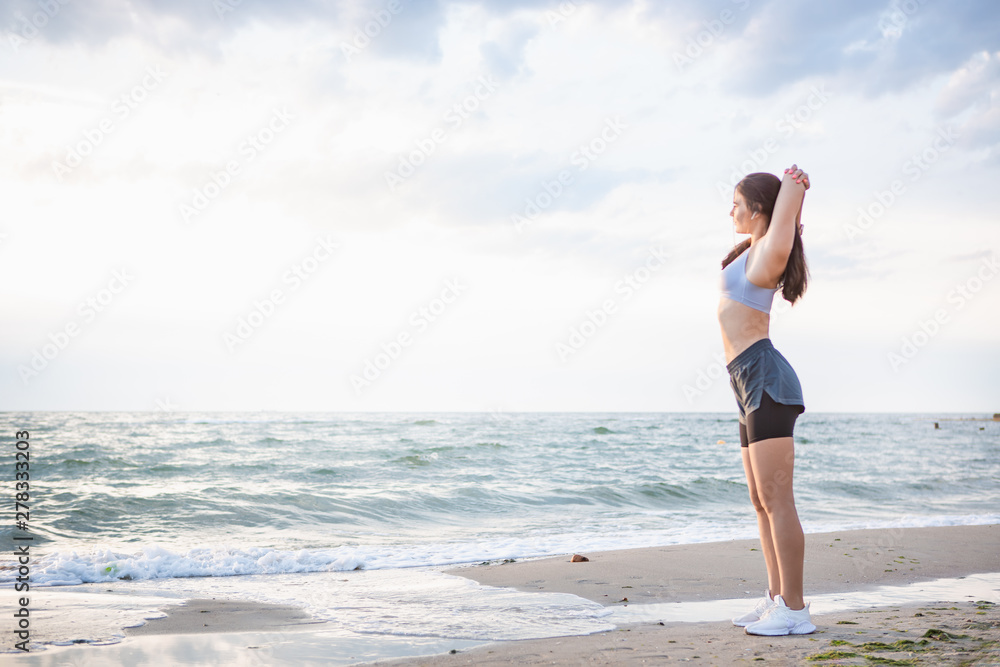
{"points": [[767, 392]]}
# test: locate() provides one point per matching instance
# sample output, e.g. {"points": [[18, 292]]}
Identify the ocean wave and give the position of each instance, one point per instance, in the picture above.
{"points": [[95, 565], [414, 460]]}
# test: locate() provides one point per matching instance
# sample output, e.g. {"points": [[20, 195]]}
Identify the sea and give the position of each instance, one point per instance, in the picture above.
{"points": [[355, 517]]}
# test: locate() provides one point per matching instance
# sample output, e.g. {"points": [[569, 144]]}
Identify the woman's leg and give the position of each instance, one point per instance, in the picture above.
{"points": [[771, 463], [764, 525]]}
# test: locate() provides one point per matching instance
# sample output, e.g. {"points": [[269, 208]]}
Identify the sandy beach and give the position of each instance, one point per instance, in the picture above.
{"points": [[951, 630], [834, 562], [646, 589], [945, 633]]}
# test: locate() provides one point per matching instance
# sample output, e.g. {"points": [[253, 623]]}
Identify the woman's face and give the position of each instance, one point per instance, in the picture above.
{"points": [[741, 214]]}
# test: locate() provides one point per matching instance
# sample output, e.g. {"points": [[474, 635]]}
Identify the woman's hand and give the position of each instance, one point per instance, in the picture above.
{"points": [[798, 176]]}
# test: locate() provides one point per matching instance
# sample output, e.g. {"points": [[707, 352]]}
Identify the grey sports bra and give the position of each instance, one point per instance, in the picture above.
{"points": [[736, 285]]}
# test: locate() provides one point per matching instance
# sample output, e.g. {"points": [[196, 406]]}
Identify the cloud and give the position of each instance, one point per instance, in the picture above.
{"points": [[895, 45], [877, 50], [972, 95], [414, 31], [504, 55], [976, 83], [199, 25], [183, 25]]}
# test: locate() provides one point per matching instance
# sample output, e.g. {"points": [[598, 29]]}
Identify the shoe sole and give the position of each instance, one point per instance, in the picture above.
{"points": [[800, 629]]}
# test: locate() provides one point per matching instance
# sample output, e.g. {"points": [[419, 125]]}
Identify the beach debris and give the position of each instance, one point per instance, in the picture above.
{"points": [[577, 558], [623, 600], [721, 442], [499, 562], [832, 655], [942, 635], [897, 646], [936, 425], [113, 571]]}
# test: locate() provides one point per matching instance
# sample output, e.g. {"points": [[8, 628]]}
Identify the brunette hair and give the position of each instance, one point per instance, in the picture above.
{"points": [[760, 191]]}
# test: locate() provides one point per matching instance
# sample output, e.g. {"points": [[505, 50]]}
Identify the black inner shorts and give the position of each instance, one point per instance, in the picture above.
{"points": [[770, 420]]}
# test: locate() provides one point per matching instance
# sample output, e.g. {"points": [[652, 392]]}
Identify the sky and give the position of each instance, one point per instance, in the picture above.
{"points": [[488, 206]]}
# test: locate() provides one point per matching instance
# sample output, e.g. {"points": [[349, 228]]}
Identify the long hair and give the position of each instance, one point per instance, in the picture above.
{"points": [[760, 191]]}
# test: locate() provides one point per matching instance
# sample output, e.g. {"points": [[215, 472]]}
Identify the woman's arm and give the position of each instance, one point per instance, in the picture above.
{"points": [[777, 242]]}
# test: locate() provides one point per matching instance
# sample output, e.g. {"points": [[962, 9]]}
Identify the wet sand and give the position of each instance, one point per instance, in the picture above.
{"points": [[952, 630]]}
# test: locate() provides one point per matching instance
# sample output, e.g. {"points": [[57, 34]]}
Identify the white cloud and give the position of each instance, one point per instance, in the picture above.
{"points": [[748, 101]]}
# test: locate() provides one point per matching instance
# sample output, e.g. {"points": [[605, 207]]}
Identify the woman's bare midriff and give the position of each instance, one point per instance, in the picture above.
{"points": [[742, 326]]}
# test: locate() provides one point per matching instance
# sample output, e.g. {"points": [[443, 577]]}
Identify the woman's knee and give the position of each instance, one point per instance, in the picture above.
{"points": [[777, 503], [774, 490], [755, 501]]}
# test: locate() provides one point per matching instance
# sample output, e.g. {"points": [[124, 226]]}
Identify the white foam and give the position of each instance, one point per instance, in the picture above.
{"points": [[419, 604], [103, 564], [156, 562], [905, 521]]}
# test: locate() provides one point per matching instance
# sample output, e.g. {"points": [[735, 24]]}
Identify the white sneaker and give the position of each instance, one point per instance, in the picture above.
{"points": [[780, 620], [763, 605]]}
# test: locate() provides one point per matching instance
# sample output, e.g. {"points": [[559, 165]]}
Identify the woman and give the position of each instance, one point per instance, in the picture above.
{"points": [[767, 390]]}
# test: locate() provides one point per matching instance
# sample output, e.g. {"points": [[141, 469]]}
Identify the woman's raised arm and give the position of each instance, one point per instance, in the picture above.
{"points": [[777, 242]]}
